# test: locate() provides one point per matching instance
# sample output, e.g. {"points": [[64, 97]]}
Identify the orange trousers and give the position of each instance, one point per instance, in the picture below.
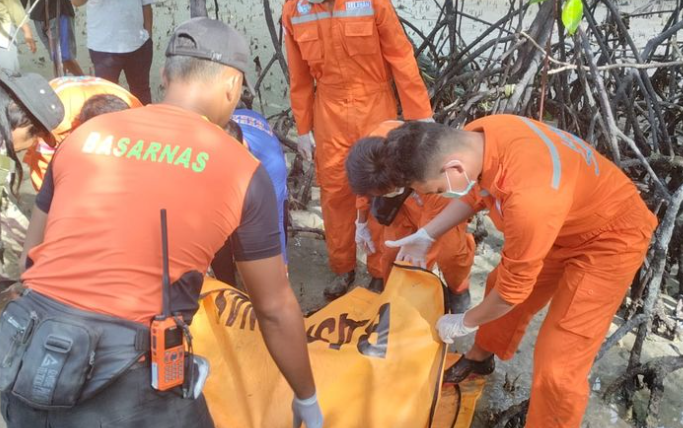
{"points": [[585, 279], [453, 252], [341, 117]]}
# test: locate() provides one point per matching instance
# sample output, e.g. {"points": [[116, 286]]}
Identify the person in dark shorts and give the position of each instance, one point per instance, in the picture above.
{"points": [[57, 31]]}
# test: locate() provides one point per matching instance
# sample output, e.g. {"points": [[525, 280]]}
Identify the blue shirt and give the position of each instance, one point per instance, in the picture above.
{"points": [[265, 146]]}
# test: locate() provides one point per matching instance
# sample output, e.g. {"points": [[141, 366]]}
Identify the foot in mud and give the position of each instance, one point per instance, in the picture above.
{"points": [[340, 285], [464, 367]]}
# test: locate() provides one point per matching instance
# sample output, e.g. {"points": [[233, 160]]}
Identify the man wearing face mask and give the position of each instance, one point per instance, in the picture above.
{"points": [[453, 252], [576, 231], [344, 58]]}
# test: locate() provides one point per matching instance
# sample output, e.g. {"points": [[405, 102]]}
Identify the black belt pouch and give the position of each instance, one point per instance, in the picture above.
{"points": [[57, 363], [16, 327]]}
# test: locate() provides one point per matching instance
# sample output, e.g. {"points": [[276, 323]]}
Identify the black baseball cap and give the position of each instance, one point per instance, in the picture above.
{"points": [[35, 94], [211, 40]]}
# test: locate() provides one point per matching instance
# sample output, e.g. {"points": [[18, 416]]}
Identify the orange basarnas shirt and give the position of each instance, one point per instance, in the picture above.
{"points": [[73, 91], [112, 176]]}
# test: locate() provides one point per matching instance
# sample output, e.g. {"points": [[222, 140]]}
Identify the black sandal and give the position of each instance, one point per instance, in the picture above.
{"points": [[464, 367]]}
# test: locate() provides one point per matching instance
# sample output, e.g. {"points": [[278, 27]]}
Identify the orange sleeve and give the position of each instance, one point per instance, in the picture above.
{"points": [[300, 79], [532, 220], [474, 200], [362, 203], [398, 52]]}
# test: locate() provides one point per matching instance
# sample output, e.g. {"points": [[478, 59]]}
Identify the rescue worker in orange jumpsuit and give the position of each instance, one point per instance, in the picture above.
{"points": [[454, 251], [576, 231], [343, 58], [73, 91]]}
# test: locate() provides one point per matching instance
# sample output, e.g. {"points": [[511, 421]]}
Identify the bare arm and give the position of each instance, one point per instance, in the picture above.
{"points": [[280, 321], [491, 308], [28, 37], [34, 234], [455, 213], [148, 18], [78, 3]]}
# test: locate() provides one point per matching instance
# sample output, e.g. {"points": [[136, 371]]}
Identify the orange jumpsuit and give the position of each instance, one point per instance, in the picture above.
{"points": [[73, 91], [343, 58], [454, 251], [576, 231]]}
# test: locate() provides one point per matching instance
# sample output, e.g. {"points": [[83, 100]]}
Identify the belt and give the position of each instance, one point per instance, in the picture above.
{"points": [[123, 344], [138, 335], [352, 91]]}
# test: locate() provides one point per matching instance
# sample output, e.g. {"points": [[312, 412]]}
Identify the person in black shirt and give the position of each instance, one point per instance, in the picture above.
{"points": [[57, 31]]}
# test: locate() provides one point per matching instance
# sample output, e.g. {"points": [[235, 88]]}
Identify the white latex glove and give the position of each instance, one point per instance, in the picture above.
{"points": [[307, 412], [451, 326], [305, 144], [427, 120], [414, 248], [364, 238]]}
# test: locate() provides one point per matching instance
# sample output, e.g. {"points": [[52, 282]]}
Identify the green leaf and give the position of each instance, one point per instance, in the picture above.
{"points": [[572, 12], [535, 1]]}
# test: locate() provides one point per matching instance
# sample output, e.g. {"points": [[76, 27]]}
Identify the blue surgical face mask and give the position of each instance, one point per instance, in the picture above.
{"points": [[456, 194]]}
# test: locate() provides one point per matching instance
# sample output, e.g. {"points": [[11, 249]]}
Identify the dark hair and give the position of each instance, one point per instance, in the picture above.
{"points": [[412, 149], [246, 100], [12, 116], [180, 67], [379, 165], [367, 167], [19, 118], [234, 130], [101, 104]]}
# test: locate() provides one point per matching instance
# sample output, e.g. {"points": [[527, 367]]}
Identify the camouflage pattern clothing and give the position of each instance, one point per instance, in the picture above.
{"points": [[13, 225]]}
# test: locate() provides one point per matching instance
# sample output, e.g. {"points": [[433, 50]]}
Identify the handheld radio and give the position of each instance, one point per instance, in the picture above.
{"points": [[167, 331]]}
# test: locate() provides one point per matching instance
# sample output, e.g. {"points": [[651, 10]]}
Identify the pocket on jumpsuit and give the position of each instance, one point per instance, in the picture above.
{"points": [[589, 303], [360, 38], [309, 42]]}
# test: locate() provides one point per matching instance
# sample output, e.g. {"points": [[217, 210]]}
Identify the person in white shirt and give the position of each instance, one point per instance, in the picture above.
{"points": [[120, 39], [12, 16]]}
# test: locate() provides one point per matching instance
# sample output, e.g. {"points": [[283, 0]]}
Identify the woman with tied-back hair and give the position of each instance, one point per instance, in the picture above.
{"points": [[373, 167]]}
